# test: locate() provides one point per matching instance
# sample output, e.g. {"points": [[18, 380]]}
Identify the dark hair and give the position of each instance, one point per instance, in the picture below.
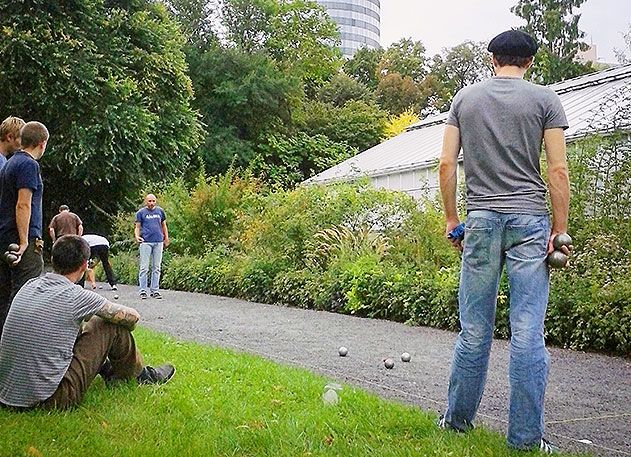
{"points": [[69, 253], [516, 61], [33, 133], [64, 208]]}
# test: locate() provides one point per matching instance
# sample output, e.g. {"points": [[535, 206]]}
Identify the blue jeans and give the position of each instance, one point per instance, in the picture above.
{"points": [[153, 252], [518, 241]]}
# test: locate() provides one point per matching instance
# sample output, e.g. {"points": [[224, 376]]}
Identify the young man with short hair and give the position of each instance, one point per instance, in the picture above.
{"points": [[501, 124], [150, 230], [9, 138], [47, 360], [21, 190]]}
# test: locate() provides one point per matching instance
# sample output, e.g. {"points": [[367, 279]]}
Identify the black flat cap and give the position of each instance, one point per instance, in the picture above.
{"points": [[513, 43]]}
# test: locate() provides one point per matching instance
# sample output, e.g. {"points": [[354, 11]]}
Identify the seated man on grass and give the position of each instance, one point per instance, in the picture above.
{"points": [[47, 358]]}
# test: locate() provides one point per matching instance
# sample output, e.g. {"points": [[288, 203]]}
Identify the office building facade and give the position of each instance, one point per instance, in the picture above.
{"points": [[358, 22]]}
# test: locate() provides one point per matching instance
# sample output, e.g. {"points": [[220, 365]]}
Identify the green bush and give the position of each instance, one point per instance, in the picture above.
{"points": [[352, 249]]}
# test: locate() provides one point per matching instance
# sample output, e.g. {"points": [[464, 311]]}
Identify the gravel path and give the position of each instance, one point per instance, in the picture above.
{"points": [[588, 400]]}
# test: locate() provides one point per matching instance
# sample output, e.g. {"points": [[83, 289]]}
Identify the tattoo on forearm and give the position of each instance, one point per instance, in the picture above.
{"points": [[119, 315]]}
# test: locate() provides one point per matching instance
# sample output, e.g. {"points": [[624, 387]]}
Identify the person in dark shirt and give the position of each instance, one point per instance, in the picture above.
{"points": [[21, 191], [65, 223]]}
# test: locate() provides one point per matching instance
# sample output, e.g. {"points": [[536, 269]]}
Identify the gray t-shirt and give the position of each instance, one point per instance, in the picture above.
{"points": [[501, 122], [39, 336]]}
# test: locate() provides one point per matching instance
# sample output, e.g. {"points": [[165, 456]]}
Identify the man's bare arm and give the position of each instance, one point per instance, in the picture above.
{"points": [[447, 175], [119, 315], [558, 180], [23, 216], [165, 234], [137, 232]]}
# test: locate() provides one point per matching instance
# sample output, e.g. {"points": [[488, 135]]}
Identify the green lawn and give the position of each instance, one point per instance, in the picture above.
{"points": [[222, 403]]}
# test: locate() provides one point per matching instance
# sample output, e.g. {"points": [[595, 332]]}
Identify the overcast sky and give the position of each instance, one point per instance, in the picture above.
{"points": [[444, 23]]}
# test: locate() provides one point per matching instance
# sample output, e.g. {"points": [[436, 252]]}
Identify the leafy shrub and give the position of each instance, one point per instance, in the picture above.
{"points": [[353, 249]]}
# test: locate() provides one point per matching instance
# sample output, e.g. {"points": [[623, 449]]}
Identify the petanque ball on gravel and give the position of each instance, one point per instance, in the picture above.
{"points": [[389, 364], [342, 351], [115, 297], [406, 357]]}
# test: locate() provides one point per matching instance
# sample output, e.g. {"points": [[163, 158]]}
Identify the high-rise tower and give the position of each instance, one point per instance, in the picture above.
{"points": [[358, 22]]}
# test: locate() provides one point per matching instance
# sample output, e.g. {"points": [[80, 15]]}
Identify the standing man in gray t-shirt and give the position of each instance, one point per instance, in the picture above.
{"points": [[500, 124]]}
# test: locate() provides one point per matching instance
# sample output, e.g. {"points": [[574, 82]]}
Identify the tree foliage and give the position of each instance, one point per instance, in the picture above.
{"points": [[396, 94], [342, 88], [289, 160], [363, 66], [110, 81], [242, 97], [397, 124], [196, 19], [297, 34], [555, 27], [464, 64], [406, 57]]}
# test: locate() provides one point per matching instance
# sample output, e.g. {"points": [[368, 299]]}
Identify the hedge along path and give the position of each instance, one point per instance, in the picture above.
{"points": [[588, 400]]}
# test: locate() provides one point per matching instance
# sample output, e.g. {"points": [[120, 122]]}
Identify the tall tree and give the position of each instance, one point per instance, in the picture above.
{"points": [[342, 88], [396, 94], [363, 66], [297, 34], [304, 40], [196, 19], [242, 97], [406, 57], [110, 81], [555, 27], [248, 22], [460, 66]]}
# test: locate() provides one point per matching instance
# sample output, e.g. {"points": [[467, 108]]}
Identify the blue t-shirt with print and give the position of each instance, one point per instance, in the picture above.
{"points": [[20, 172], [151, 224]]}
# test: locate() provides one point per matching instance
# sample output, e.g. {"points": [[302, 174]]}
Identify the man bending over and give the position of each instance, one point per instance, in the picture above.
{"points": [[47, 359]]}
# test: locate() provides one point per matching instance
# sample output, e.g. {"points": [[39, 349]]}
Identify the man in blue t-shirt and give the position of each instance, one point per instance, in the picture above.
{"points": [[151, 232], [21, 191]]}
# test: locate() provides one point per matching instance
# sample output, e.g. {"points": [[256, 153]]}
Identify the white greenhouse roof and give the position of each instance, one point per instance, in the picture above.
{"points": [[584, 99]]}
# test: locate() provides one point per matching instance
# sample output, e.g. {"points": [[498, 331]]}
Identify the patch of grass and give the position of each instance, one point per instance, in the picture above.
{"points": [[223, 403]]}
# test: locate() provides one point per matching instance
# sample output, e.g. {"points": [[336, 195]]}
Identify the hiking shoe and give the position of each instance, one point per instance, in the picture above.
{"points": [[545, 447], [157, 375], [114, 287], [156, 295]]}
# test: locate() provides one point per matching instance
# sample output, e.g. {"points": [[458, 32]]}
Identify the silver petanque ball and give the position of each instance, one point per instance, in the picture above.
{"points": [[389, 364], [556, 259], [13, 247], [562, 239], [115, 297], [406, 357], [342, 351]]}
